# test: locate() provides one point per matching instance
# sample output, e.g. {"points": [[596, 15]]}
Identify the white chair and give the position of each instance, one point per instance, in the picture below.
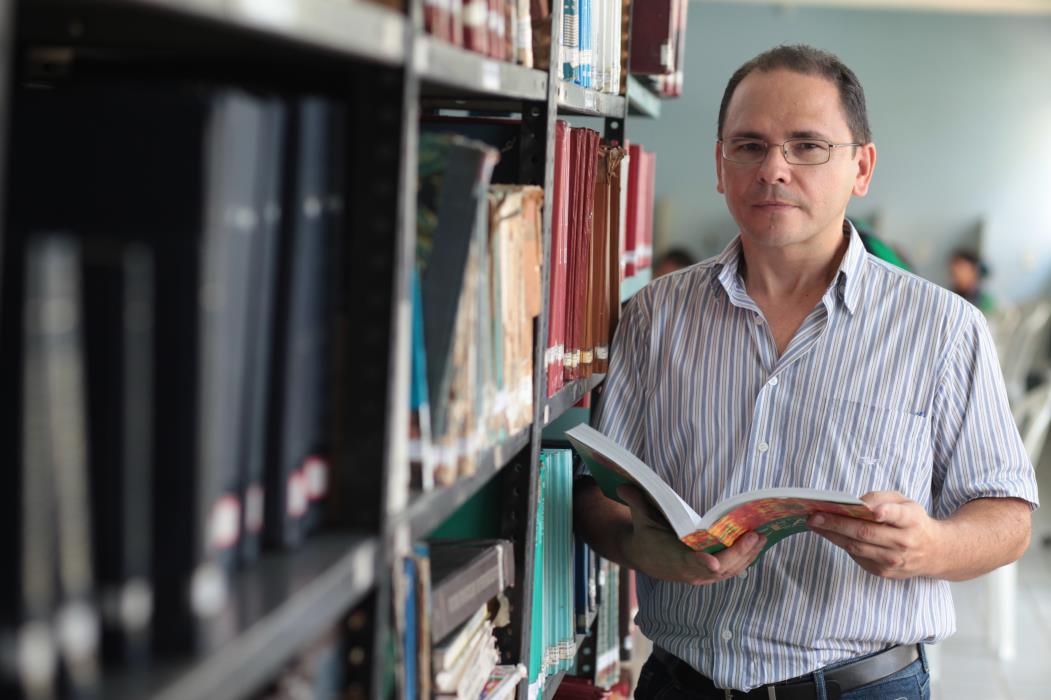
{"points": [[1019, 354], [1033, 415]]}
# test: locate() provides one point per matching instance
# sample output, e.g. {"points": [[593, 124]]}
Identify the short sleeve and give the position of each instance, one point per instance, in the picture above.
{"points": [[978, 452]]}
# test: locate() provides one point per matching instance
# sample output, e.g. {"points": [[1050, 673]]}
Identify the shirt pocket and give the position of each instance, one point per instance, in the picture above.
{"points": [[876, 448]]}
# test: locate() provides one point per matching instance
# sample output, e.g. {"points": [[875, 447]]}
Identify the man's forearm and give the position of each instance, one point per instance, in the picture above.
{"points": [[602, 522], [983, 535]]}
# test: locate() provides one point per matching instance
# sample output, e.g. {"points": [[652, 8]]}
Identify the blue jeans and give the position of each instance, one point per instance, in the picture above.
{"points": [[910, 683]]}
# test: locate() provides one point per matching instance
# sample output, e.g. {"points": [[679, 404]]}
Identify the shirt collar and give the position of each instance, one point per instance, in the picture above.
{"points": [[847, 282]]}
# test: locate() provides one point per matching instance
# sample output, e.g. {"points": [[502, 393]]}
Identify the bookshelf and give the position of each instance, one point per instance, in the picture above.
{"points": [[380, 58]]}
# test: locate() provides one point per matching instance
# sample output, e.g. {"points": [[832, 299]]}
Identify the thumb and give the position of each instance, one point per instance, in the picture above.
{"points": [[643, 511]]}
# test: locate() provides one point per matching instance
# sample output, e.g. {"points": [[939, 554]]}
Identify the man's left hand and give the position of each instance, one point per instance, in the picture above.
{"points": [[901, 541]]}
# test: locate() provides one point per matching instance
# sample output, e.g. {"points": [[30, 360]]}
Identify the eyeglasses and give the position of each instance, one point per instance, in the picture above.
{"points": [[797, 151]]}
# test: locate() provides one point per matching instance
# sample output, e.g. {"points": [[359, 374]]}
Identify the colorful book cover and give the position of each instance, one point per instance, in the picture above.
{"points": [[775, 513]]}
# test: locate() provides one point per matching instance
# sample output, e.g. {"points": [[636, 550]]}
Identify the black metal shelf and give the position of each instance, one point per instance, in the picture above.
{"points": [[642, 101], [429, 509], [277, 608], [361, 30], [567, 396], [573, 99], [448, 70]]}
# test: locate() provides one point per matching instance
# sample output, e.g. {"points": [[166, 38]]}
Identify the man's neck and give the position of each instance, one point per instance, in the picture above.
{"points": [[792, 272]]}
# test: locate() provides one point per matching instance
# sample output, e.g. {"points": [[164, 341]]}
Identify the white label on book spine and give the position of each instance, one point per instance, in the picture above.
{"points": [[136, 604], [586, 357], [602, 353], [589, 100], [491, 75], [666, 55], [78, 631], [547, 414], [422, 58], [474, 14], [316, 471], [226, 522], [36, 656], [297, 494], [254, 508], [208, 590]]}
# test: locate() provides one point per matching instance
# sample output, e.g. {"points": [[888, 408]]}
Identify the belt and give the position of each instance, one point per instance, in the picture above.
{"points": [[838, 680]]}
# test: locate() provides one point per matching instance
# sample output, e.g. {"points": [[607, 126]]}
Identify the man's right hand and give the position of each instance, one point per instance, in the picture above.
{"points": [[654, 550]]}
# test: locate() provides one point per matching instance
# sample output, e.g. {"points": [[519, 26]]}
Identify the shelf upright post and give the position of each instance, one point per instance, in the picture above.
{"points": [[521, 482], [373, 419], [7, 62]]}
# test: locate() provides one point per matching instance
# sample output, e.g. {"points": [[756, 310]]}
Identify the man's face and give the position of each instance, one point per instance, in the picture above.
{"points": [[777, 204]]}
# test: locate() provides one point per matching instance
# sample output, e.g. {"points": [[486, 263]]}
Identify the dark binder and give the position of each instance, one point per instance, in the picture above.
{"points": [[103, 166], [305, 314], [261, 266], [464, 575], [118, 331]]}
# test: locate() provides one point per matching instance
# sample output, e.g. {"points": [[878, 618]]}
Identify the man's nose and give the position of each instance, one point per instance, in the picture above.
{"points": [[774, 167]]}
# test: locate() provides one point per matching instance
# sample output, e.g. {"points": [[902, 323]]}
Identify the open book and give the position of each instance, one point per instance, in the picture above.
{"points": [[775, 513]]}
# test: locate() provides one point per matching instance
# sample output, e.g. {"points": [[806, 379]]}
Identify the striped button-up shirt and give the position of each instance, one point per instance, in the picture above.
{"points": [[890, 384]]}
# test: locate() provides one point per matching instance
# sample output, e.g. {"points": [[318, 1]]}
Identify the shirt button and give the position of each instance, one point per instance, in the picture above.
{"points": [[762, 447], [759, 319], [773, 381], [727, 635], [743, 574]]}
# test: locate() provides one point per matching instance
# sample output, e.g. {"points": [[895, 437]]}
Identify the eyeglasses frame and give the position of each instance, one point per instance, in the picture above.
{"points": [[784, 150]]}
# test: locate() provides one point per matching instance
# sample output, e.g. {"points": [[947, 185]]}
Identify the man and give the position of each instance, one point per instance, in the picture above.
{"points": [[797, 359]]}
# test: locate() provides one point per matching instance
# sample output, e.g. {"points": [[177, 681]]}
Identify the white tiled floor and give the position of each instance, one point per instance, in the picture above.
{"points": [[968, 667]]}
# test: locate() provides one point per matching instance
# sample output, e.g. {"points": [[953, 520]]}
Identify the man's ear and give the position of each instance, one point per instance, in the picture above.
{"points": [[719, 168], [866, 164]]}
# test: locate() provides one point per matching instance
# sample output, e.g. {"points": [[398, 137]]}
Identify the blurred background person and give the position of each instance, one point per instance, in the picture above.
{"points": [[966, 275], [674, 259]]}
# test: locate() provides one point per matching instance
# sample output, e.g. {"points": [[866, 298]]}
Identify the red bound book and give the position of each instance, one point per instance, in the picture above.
{"points": [[559, 259], [476, 25], [572, 352], [653, 37], [493, 21], [584, 291], [650, 178], [635, 207]]}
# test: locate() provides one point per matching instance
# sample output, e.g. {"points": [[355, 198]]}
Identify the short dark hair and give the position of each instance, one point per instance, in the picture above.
{"points": [[807, 60]]}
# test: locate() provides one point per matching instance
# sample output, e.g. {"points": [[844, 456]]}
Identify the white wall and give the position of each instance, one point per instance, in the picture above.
{"points": [[960, 106]]}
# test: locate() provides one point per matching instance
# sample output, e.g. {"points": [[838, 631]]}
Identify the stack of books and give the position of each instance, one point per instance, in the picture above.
{"points": [[499, 29], [450, 596], [478, 260], [168, 354], [601, 235], [658, 44], [593, 43]]}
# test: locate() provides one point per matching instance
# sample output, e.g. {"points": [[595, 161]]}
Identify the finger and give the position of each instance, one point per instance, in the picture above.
{"points": [[743, 552], [896, 514], [875, 498], [640, 504], [877, 556], [854, 528]]}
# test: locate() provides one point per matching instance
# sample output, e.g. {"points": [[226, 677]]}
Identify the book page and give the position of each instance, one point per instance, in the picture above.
{"points": [[612, 465]]}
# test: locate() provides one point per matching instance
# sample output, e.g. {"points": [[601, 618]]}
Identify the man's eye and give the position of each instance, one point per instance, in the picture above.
{"points": [[809, 145], [750, 147]]}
